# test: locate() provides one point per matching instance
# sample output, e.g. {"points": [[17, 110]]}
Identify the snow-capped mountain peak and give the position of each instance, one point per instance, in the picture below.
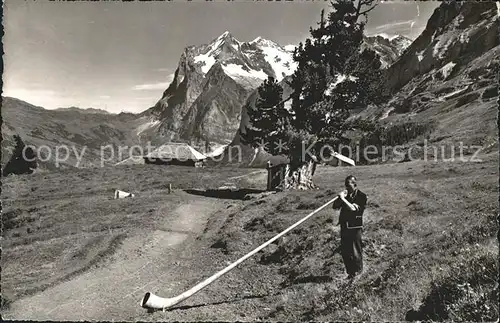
{"points": [[279, 58], [389, 48], [225, 34], [257, 56], [290, 48], [214, 80], [211, 84], [263, 42], [256, 40], [218, 49]]}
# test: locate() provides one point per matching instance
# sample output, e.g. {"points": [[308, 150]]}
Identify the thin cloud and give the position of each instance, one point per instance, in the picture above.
{"points": [[105, 97], [40, 97], [154, 86], [394, 24], [151, 86], [19, 92], [410, 28]]}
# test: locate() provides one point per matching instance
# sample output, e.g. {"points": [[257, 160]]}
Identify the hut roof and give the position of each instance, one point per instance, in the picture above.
{"points": [[176, 150]]}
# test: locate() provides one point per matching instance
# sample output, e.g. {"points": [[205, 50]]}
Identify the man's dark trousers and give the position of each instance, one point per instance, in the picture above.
{"points": [[351, 228], [351, 249]]}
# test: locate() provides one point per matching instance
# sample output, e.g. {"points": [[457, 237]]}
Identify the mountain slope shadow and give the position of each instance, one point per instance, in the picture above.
{"points": [[186, 307], [232, 194]]}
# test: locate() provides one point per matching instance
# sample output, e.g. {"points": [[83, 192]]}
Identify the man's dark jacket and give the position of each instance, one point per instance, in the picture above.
{"points": [[348, 218]]}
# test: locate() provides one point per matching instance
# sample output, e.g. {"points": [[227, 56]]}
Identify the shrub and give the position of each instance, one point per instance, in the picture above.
{"points": [[17, 163], [404, 106], [467, 98], [377, 135], [490, 92], [469, 294]]}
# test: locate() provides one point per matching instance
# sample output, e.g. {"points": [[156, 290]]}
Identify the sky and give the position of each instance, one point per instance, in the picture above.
{"points": [[120, 56]]}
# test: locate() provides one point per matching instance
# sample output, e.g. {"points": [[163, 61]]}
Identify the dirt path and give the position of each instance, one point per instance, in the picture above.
{"points": [[115, 289]]}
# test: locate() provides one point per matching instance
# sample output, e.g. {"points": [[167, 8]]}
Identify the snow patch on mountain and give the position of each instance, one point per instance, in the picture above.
{"points": [[403, 42], [444, 97], [458, 20], [386, 113], [219, 41], [441, 47], [207, 60], [340, 78], [386, 36], [146, 126], [281, 62], [237, 71], [447, 69], [420, 55]]}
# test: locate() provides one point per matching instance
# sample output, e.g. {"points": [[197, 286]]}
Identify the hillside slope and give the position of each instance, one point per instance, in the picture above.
{"points": [[456, 32], [448, 76], [430, 247], [430, 230], [82, 133]]}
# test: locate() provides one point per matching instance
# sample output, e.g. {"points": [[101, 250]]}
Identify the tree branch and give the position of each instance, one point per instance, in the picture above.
{"points": [[361, 3], [358, 9], [368, 10]]}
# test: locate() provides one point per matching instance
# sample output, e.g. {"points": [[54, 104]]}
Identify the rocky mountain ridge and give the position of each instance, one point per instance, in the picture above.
{"points": [[388, 48], [87, 110], [456, 31], [211, 83], [449, 77]]}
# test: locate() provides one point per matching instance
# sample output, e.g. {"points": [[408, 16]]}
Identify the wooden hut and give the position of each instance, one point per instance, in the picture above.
{"points": [[175, 153]]}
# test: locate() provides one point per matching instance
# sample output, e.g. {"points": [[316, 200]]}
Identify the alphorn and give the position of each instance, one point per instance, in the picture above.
{"points": [[155, 302]]}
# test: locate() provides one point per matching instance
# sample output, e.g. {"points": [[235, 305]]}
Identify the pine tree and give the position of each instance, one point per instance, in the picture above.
{"points": [[22, 160], [334, 76], [269, 118]]}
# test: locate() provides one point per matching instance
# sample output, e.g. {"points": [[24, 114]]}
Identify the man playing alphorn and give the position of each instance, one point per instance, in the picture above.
{"points": [[352, 203]]}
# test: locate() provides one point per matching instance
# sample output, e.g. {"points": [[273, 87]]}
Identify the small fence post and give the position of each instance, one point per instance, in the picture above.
{"points": [[269, 175]]}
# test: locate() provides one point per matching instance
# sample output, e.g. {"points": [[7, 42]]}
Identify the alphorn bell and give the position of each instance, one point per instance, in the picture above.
{"points": [[122, 194], [156, 302]]}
